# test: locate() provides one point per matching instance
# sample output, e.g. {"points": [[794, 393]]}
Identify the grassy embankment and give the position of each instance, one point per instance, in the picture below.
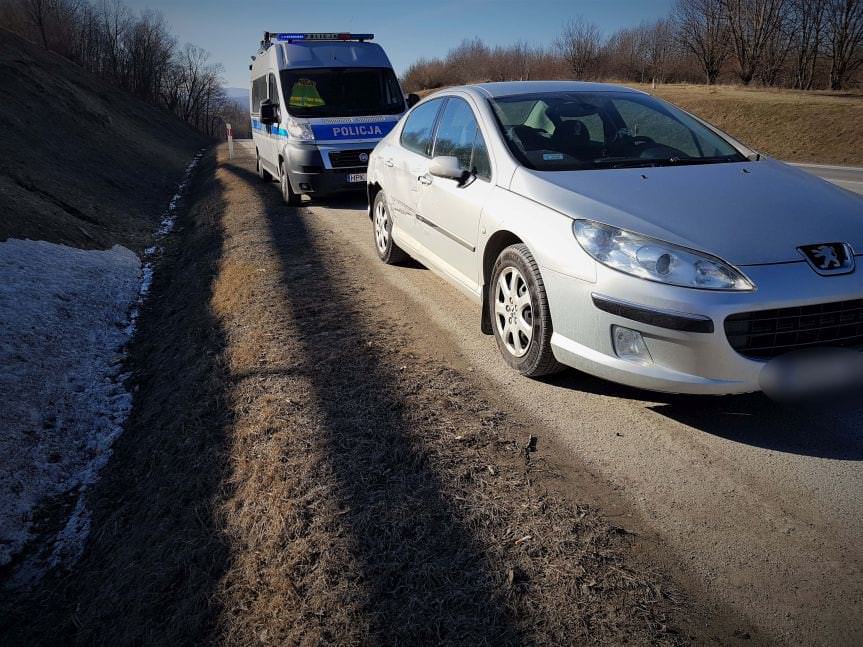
{"points": [[818, 127]]}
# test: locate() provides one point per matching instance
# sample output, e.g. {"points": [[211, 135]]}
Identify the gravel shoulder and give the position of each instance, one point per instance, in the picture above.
{"points": [[758, 504]]}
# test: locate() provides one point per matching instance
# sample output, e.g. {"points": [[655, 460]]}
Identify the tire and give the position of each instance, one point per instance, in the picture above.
{"points": [[263, 173], [291, 199], [519, 313], [382, 229]]}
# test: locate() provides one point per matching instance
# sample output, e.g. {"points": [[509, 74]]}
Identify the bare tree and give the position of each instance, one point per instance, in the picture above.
{"points": [[625, 54], [752, 25], [776, 51], [845, 40], [580, 44], [660, 47], [136, 53], [48, 21], [37, 12], [703, 32], [807, 19], [470, 61]]}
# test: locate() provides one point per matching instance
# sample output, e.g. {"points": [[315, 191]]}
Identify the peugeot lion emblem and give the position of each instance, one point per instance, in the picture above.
{"points": [[829, 258]]}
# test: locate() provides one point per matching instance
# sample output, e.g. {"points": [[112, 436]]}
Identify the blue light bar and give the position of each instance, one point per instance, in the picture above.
{"points": [[289, 37]]}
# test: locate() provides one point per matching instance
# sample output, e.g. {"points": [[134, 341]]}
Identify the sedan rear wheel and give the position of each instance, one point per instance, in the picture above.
{"points": [[519, 309], [385, 246]]}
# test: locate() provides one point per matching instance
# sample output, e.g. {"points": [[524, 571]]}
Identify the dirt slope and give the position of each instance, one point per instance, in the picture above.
{"points": [[82, 163]]}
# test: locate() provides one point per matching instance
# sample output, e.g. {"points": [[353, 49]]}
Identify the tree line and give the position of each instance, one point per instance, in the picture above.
{"points": [[133, 51], [804, 44]]}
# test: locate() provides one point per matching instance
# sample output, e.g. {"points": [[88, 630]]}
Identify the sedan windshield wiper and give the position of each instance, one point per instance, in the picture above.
{"points": [[640, 162]]}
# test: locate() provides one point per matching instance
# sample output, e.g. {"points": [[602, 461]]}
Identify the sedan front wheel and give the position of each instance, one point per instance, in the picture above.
{"points": [[518, 308]]}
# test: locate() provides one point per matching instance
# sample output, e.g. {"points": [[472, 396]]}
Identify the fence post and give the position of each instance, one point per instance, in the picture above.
{"points": [[230, 141]]}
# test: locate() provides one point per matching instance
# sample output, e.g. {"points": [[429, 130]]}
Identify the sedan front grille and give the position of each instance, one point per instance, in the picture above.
{"points": [[768, 333], [350, 158]]}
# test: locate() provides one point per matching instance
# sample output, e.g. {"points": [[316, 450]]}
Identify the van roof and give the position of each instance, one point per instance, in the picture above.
{"points": [[304, 54]]}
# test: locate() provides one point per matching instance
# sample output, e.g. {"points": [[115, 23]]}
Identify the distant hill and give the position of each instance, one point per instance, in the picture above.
{"points": [[83, 163], [240, 95]]}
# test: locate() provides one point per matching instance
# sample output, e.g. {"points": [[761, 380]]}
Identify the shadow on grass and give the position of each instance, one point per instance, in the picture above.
{"points": [[155, 555], [426, 579]]}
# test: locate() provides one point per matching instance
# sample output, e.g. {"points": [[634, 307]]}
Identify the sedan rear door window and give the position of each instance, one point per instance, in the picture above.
{"points": [[417, 132]]}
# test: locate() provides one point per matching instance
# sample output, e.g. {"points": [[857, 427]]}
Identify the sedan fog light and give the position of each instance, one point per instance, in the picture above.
{"points": [[629, 345]]}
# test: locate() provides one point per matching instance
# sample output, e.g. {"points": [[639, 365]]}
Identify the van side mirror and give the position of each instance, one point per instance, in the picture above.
{"points": [[412, 99], [447, 166], [269, 112]]}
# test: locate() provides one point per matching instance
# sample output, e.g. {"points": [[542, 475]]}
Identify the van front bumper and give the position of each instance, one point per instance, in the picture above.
{"points": [[309, 174]]}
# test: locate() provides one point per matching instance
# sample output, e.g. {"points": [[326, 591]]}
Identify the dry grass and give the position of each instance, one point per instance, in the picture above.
{"points": [[378, 498], [790, 125], [304, 467]]}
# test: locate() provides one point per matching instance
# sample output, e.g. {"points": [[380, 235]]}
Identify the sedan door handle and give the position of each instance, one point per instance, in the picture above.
{"points": [[425, 179], [389, 162]]}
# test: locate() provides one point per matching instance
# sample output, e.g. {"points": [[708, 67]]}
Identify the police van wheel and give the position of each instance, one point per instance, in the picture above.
{"points": [[262, 172], [291, 199]]}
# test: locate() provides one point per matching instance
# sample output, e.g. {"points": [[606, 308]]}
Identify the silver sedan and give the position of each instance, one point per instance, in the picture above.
{"points": [[603, 229]]}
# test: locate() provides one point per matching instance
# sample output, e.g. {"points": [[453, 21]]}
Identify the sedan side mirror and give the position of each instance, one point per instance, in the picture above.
{"points": [[448, 167], [412, 99], [269, 112]]}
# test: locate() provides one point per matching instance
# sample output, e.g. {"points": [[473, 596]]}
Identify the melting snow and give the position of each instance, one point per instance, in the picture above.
{"points": [[66, 316]]}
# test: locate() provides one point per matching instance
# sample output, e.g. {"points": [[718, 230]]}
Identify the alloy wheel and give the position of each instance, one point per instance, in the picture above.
{"points": [[513, 311], [382, 234]]}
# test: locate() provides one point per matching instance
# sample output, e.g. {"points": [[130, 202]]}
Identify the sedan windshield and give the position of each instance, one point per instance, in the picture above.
{"points": [[342, 91], [562, 131]]}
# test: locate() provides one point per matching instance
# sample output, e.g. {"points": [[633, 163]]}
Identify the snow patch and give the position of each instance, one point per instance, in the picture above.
{"points": [[66, 317]]}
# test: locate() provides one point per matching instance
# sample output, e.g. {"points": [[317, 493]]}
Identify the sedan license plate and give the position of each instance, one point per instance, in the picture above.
{"points": [[356, 177]]}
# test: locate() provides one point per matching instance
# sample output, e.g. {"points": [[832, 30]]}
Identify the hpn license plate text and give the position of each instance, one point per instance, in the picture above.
{"points": [[356, 177]]}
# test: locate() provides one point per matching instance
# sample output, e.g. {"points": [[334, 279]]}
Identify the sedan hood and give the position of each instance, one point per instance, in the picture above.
{"points": [[747, 213]]}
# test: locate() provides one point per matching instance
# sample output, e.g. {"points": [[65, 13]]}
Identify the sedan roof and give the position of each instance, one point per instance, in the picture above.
{"points": [[508, 88]]}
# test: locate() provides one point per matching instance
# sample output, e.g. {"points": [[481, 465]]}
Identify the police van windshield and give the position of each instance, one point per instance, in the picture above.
{"points": [[342, 91]]}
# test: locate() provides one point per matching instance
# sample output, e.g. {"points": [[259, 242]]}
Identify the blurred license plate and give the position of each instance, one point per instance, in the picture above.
{"points": [[356, 177]]}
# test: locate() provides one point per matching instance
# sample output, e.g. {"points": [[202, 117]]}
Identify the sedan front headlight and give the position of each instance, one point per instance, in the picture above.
{"points": [[655, 260]]}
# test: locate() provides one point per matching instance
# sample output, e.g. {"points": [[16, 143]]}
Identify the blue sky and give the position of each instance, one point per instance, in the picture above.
{"points": [[407, 30]]}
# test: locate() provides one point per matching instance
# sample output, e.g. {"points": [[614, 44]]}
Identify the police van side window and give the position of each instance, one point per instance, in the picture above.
{"points": [[272, 89], [259, 93], [417, 132]]}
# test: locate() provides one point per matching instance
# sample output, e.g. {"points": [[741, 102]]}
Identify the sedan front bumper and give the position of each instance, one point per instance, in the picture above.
{"points": [[688, 355]]}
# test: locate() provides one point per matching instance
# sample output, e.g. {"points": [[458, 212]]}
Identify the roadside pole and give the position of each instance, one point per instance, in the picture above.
{"points": [[230, 141]]}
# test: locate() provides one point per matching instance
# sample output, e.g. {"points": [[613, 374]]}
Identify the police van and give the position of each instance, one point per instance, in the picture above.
{"points": [[319, 104]]}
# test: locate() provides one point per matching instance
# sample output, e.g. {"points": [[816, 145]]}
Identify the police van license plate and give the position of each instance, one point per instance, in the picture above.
{"points": [[356, 177]]}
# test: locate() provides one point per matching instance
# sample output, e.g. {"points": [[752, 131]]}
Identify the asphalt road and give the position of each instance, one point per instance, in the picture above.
{"points": [[761, 505], [848, 177]]}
